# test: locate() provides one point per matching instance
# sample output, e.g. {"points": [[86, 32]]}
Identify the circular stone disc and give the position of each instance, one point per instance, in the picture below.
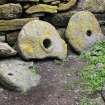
{"points": [[39, 39], [83, 30]]}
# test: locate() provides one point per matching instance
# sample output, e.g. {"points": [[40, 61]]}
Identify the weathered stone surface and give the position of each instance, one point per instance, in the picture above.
{"points": [[39, 39], [13, 24], [55, 2], [2, 36], [6, 50], [11, 37], [66, 6], [26, 5], [61, 32], [59, 19], [83, 30], [10, 11], [42, 8], [92, 5], [47, 1], [18, 75], [36, 15]]}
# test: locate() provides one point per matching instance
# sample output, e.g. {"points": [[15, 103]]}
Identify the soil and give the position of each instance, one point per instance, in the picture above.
{"points": [[58, 85]]}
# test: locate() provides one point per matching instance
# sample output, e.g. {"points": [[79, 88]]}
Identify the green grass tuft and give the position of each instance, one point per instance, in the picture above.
{"points": [[94, 74]]}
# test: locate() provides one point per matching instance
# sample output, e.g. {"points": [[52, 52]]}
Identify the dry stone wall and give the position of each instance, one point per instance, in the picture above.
{"points": [[16, 13]]}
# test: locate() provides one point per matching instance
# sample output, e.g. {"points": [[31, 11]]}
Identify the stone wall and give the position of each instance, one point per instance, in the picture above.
{"points": [[15, 13]]}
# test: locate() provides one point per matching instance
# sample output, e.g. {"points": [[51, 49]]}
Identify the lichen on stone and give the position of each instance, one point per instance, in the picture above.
{"points": [[66, 6]]}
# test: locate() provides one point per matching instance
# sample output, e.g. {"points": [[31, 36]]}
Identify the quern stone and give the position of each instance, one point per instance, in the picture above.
{"points": [[39, 39], [83, 30], [18, 75]]}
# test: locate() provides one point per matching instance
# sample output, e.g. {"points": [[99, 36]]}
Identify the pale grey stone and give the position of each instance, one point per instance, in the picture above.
{"points": [[18, 75]]}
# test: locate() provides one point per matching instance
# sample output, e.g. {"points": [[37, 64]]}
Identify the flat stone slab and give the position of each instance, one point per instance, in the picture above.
{"points": [[18, 75], [10, 11], [41, 8], [14, 24], [6, 50]]}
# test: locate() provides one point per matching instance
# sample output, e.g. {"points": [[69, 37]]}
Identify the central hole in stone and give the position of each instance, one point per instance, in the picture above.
{"points": [[10, 74], [47, 43], [89, 33]]}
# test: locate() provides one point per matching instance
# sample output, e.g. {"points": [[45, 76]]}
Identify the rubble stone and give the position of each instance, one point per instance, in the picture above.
{"points": [[10, 11], [14, 24]]}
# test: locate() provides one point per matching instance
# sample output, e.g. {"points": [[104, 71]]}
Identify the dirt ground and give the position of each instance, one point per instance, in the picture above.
{"points": [[58, 86]]}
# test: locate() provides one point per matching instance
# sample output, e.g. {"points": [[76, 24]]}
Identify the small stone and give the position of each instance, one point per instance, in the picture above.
{"points": [[55, 2], [10, 11], [2, 36], [47, 1], [11, 37], [41, 8], [6, 50], [39, 39], [38, 15], [92, 5], [83, 30], [66, 6], [26, 6], [18, 75], [14, 24]]}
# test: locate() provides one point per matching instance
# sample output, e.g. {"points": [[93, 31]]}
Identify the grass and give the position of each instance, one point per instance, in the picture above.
{"points": [[85, 101], [94, 73]]}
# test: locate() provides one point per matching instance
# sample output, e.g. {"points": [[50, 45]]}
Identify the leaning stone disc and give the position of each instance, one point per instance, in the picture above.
{"points": [[83, 30], [39, 39]]}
